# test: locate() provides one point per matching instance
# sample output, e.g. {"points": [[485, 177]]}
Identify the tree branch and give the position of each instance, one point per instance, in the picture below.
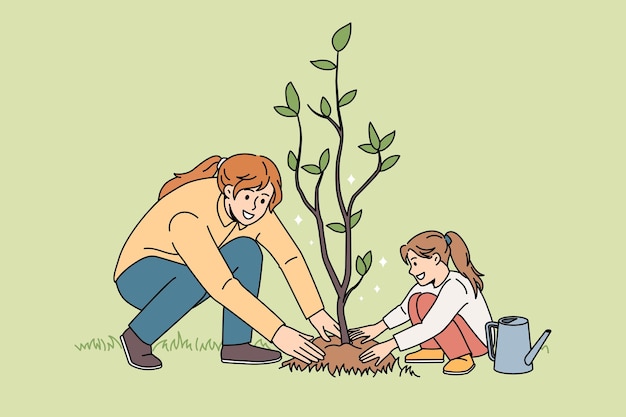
{"points": [[348, 267], [366, 183], [342, 205], [322, 236], [297, 172], [339, 120], [315, 210], [321, 116], [353, 288], [345, 212]]}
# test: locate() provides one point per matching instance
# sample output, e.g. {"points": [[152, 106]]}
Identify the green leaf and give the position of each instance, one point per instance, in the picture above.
{"points": [[325, 107], [368, 260], [285, 111], [324, 64], [324, 158], [341, 37], [293, 101], [368, 148], [292, 161], [389, 162], [354, 219], [374, 139], [312, 169], [347, 98], [336, 227], [387, 140], [360, 266]]}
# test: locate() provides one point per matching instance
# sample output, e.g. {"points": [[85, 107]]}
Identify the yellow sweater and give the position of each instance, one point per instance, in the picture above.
{"points": [[190, 224]]}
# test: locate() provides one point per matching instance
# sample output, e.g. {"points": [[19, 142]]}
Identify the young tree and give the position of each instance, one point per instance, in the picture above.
{"points": [[341, 277]]}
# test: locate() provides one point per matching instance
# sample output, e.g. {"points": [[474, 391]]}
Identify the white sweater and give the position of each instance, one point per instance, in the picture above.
{"points": [[454, 296]]}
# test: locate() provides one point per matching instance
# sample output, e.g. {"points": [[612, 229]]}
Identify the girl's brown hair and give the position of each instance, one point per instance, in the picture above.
{"points": [[426, 244], [242, 171]]}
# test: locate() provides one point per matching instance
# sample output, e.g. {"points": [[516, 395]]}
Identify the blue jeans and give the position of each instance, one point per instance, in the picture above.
{"points": [[165, 291]]}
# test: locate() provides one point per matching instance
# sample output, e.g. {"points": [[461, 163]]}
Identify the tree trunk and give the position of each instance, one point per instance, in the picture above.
{"points": [[341, 318]]}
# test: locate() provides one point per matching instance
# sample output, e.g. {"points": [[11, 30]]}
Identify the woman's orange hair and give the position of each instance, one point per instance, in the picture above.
{"points": [[242, 171], [450, 245]]}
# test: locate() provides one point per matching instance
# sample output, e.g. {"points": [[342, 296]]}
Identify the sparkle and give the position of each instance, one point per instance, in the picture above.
{"points": [[311, 242], [360, 298], [350, 179], [298, 220], [377, 288], [383, 262]]}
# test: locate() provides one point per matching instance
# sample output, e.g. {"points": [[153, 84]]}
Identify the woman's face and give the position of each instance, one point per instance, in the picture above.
{"points": [[423, 269], [249, 205]]}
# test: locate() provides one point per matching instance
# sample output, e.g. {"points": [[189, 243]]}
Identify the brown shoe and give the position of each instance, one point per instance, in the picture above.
{"points": [[248, 355], [138, 353]]}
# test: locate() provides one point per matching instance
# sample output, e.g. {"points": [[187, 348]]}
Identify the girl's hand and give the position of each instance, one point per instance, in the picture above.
{"points": [[368, 332], [379, 352]]}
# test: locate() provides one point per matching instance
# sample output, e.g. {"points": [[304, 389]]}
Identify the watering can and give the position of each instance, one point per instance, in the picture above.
{"points": [[512, 353]]}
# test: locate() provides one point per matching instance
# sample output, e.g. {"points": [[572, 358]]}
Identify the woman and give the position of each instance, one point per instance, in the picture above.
{"points": [[202, 239], [446, 308]]}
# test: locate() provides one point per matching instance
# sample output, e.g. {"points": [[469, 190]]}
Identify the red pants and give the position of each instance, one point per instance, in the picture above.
{"points": [[456, 340]]}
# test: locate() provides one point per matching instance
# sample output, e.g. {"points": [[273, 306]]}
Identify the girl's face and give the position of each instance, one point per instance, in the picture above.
{"points": [[423, 269], [249, 205]]}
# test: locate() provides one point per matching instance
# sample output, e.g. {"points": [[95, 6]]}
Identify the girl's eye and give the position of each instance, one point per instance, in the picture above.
{"points": [[247, 197], [262, 201], [414, 263]]}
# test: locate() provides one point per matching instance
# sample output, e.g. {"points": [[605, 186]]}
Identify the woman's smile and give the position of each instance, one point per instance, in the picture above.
{"points": [[249, 205]]}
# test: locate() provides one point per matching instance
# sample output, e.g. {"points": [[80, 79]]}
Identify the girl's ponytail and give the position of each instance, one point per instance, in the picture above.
{"points": [[461, 257], [206, 169]]}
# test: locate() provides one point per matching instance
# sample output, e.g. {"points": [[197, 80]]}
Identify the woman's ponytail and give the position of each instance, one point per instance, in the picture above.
{"points": [[205, 169]]}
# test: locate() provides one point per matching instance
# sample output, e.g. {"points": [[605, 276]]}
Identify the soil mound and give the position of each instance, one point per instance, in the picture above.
{"points": [[343, 358]]}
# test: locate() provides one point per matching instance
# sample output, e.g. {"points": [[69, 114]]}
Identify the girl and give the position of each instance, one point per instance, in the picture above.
{"points": [[446, 308], [202, 239]]}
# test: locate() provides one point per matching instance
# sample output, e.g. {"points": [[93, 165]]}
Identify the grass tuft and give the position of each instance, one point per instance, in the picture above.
{"points": [[336, 369], [407, 370], [169, 345], [100, 344], [177, 343]]}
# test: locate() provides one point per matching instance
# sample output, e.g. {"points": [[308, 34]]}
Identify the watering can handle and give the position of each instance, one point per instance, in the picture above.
{"points": [[490, 345]]}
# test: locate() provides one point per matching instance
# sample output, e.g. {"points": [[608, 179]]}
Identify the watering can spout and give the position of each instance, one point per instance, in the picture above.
{"points": [[530, 357]]}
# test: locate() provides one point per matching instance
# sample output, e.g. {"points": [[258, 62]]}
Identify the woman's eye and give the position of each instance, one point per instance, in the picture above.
{"points": [[262, 201], [414, 263], [247, 197]]}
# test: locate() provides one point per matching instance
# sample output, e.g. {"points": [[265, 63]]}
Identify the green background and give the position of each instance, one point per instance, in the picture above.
{"points": [[510, 123]]}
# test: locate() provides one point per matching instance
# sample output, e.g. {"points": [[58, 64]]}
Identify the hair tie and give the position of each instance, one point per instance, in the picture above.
{"points": [[219, 164], [447, 239]]}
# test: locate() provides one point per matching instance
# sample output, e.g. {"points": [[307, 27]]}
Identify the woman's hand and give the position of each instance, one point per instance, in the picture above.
{"points": [[379, 351], [368, 332], [324, 323], [297, 344]]}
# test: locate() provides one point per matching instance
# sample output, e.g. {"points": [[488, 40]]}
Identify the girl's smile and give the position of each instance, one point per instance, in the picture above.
{"points": [[427, 270]]}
